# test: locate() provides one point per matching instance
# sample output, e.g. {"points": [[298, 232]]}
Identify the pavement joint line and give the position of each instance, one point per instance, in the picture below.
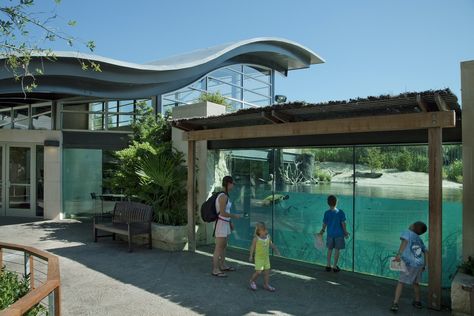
{"points": [[240, 262]]}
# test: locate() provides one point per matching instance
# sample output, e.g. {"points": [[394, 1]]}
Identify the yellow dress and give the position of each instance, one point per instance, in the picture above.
{"points": [[262, 254]]}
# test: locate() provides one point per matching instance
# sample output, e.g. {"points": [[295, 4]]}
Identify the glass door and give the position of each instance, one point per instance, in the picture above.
{"points": [[20, 189]]}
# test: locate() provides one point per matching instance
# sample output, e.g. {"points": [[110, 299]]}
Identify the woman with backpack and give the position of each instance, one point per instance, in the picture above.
{"points": [[223, 228]]}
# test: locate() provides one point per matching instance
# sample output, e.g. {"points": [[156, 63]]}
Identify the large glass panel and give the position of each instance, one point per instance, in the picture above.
{"points": [[250, 169], [391, 194], [452, 210], [304, 180], [97, 118], [75, 117], [82, 175], [19, 172]]}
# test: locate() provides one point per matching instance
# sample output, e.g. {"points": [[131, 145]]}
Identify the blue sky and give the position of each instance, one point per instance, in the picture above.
{"points": [[371, 47]]}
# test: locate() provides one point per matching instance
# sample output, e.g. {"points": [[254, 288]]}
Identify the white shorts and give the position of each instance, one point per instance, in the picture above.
{"points": [[222, 228]]}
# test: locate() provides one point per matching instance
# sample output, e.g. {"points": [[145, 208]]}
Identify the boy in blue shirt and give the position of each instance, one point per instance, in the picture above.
{"points": [[413, 253], [335, 221]]}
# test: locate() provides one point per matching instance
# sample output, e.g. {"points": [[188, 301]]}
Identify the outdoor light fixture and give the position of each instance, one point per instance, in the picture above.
{"points": [[280, 98], [51, 143]]}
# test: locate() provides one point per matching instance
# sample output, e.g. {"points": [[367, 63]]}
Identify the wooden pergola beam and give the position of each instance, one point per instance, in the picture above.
{"points": [[283, 117], [421, 103], [185, 126], [398, 122], [442, 106], [269, 117]]}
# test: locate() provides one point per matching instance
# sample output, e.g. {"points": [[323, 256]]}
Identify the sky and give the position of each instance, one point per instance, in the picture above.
{"points": [[371, 47]]}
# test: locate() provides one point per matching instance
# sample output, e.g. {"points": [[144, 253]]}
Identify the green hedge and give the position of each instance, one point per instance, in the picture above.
{"points": [[12, 288]]}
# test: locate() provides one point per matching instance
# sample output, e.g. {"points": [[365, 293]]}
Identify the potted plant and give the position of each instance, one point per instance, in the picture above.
{"points": [[162, 177], [151, 171]]}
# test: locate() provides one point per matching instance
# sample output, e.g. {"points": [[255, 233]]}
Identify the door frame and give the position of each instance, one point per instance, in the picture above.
{"points": [[7, 211]]}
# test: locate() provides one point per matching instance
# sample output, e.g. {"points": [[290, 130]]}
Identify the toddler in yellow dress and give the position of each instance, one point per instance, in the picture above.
{"points": [[261, 248]]}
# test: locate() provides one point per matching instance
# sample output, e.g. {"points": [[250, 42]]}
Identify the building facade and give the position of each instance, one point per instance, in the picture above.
{"points": [[56, 143]]}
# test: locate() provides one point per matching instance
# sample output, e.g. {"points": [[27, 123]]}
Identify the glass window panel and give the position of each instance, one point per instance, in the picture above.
{"points": [[20, 118], [258, 73], [96, 107], [227, 76], [224, 89], [5, 118], [256, 98], [147, 102], [126, 106], [111, 106], [41, 117], [79, 121]]}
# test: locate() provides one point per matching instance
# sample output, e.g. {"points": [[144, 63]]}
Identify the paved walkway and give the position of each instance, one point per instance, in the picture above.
{"points": [[104, 279]]}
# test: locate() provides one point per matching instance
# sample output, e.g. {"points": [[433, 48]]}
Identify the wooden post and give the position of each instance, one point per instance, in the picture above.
{"points": [[435, 217], [191, 195], [32, 273]]}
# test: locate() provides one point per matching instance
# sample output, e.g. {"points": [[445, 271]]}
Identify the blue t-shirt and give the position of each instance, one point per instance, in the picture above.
{"points": [[413, 253], [333, 220]]}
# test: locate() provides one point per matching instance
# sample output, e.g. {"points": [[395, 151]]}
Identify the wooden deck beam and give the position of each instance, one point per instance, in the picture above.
{"points": [[283, 117], [442, 106], [379, 123], [269, 117], [421, 103]]}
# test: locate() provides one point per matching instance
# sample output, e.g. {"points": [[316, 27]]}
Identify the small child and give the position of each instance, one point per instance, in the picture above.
{"points": [[335, 220], [413, 253], [260, 246]]}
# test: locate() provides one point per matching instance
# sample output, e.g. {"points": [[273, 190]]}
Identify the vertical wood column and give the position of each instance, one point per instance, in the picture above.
{"points": [[191, 195], [435, 217]]}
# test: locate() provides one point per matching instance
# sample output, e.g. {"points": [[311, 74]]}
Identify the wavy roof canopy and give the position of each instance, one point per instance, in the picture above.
{"points": [[119, 79]]}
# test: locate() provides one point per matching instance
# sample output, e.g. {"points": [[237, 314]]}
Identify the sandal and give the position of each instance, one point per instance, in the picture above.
{"points": [[230, 269], [394, 307], [269, 288], [336, 269], [253, 286], [417, 304], [219, 274]]}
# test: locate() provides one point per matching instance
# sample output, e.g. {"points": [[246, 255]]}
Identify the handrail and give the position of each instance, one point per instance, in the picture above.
{"points": [[51, 288]]}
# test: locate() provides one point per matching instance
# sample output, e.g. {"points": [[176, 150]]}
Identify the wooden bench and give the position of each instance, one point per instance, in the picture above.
{"points": [[127, 218]]}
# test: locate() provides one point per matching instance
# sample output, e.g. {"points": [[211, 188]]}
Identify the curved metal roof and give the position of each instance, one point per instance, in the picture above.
{"points": [[120, 79]]}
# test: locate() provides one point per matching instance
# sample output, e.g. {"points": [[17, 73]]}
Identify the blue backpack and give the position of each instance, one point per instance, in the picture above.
{"points": [[209, 212]]}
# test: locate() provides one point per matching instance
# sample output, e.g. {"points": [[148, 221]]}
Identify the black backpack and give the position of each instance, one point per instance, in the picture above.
{"points": [[208, 209]]}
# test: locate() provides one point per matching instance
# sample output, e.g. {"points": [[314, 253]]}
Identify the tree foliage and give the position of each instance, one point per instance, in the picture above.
{"points": [[27, 33]]}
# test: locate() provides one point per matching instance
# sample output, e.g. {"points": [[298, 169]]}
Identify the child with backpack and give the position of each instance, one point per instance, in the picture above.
{"points": [[413, 253], [261, 248]]}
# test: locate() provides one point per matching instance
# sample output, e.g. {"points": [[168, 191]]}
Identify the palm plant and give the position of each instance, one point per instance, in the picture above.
{"points": [[162, 177]]}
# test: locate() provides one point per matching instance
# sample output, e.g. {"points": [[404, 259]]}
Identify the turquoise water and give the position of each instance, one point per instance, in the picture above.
{"points": [[375, 219]]}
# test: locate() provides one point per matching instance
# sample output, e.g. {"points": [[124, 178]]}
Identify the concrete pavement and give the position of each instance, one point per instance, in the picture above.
{"points": [[104, 279]]}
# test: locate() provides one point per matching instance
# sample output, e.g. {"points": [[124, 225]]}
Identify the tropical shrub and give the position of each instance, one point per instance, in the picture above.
{"points": [[454, 171], [12, 288], [151, 170], [162, 176]]}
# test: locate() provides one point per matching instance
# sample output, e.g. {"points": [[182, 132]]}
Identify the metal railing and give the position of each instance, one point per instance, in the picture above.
{"points": [[42, 271]]}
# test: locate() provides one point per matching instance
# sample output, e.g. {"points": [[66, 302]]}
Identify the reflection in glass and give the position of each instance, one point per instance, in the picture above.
{"points": [[19, 177]]}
